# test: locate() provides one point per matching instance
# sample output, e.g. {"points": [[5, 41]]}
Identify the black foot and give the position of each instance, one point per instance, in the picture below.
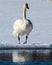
{"points": [[25, 42]]}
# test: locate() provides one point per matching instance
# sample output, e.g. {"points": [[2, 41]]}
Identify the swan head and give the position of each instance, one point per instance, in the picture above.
{"points": [[26, 5]]}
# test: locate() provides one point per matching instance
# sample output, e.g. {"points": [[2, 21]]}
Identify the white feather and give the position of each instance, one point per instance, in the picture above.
{"points": [[22, 27]]}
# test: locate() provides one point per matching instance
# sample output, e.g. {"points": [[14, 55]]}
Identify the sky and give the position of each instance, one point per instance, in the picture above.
{"points": [[40, 14]]}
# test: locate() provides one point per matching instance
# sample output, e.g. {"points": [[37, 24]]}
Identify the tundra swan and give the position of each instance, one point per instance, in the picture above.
{"points": [[24, 26]]}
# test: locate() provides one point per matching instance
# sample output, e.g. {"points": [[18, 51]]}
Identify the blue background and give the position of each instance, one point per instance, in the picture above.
{"points": [[40, 14]]}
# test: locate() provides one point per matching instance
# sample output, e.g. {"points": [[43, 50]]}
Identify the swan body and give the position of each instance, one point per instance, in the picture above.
{"points": [[22, 26]]}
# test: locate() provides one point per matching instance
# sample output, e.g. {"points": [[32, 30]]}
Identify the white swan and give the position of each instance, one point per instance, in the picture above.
{"points": [[24, 26]]}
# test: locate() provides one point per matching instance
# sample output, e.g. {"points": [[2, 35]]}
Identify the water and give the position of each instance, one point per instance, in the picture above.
{"points": [[38, 57], [26, 63]]}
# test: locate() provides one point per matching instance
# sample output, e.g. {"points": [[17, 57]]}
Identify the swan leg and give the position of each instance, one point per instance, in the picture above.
{"points": [[19, 39], [26, 40]]}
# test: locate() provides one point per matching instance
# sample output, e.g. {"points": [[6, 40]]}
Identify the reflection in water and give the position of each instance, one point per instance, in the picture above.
{"points": [[26, 55]]}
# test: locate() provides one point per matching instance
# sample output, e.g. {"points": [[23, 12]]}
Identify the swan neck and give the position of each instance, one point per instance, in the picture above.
{"points": [[24, 13]]}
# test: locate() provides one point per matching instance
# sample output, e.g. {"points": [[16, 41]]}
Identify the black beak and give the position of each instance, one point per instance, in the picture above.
{"points": [[27, 7]]}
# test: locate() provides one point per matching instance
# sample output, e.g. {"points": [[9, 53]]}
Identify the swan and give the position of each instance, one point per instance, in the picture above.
{"points": [[22, 26]]}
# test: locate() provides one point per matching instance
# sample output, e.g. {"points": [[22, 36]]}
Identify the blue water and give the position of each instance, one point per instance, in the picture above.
{"points": [[26, 63]]}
